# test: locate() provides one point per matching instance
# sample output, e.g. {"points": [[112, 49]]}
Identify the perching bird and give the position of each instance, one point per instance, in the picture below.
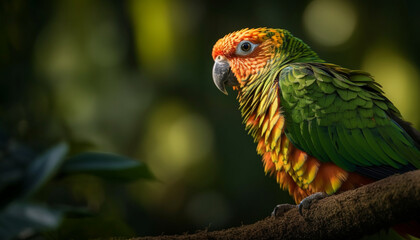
{"points": [[319, 127]]}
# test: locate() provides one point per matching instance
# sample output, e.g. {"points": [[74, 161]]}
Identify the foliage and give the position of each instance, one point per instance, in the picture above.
{"points": [[23, 217]]}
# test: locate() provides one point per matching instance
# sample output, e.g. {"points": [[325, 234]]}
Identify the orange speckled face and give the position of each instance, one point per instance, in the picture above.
{"points": [[248, 50]]}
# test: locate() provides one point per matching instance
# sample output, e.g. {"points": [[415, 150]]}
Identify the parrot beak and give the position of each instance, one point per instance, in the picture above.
{"points": [[223, 75]]}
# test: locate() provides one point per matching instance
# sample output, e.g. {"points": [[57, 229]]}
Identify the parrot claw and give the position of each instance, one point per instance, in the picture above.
{"points": [[281, 209], [306, 202]]}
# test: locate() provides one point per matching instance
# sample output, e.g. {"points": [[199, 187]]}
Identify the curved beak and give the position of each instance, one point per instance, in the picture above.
{"points": [[222, 74]]}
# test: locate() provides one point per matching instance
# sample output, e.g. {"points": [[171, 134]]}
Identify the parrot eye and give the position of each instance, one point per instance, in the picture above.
{"points": [[245, 47]]}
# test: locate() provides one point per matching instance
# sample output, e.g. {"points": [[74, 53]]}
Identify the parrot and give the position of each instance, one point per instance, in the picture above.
{"points": [[319, 127]]}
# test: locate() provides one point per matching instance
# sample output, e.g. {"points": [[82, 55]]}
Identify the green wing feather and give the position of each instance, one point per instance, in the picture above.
{"points": [[341, 116]]}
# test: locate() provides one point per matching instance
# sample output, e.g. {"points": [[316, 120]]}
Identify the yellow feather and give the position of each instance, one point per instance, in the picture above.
{"points": [[256, 98], [335, 183], [260, 148], [274, 157], [261, 120], [273, 108], [264, 129], [286, 166], [285, 146], [274, 145], [300, 161], [310, 174], [273, 121], [294, 178], [279, 166], [329, 190], [267, 135], [278, 146], [261, 108], [301, 171], [277, 133]]}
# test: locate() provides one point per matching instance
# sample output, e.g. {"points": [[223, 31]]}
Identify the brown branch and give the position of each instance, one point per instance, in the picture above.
{"points": [[349, 215]]}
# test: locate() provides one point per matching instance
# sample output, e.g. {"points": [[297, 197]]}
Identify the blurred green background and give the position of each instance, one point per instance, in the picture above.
{"points": [[134, 78]]}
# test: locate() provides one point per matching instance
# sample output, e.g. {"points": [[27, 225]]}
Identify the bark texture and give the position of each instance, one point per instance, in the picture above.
{"points": [[349, 215]]}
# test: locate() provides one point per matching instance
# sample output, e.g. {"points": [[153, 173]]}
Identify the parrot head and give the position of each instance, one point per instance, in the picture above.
{"points": [[242, 56]]}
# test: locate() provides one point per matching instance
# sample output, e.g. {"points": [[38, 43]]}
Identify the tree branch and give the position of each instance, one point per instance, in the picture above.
{"points": [[349, 215]]}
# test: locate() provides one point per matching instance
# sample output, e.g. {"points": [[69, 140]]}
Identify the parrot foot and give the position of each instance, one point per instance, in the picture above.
{"points": [[306, 202], [281, 209]]}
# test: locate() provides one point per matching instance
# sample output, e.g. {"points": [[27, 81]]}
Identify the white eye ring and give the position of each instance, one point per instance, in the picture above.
{"points": [[245, 47]]}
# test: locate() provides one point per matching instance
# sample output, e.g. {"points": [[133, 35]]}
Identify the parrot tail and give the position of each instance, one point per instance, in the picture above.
{"points": [[408, 229]]}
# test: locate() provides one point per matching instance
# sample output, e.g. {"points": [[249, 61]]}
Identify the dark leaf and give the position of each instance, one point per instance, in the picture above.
{"points": [[25, 219], [43, 168], [107, 166]]}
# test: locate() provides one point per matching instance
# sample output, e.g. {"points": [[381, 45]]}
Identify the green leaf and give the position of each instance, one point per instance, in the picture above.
{"points": [[43, 168], [107, 166], [25, 219]]}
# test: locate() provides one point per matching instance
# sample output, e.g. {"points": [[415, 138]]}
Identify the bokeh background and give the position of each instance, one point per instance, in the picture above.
{"points": [[134, 78]]}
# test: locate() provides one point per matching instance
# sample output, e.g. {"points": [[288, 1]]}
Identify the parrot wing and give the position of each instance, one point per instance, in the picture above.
{"points": [[341, 116]]}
